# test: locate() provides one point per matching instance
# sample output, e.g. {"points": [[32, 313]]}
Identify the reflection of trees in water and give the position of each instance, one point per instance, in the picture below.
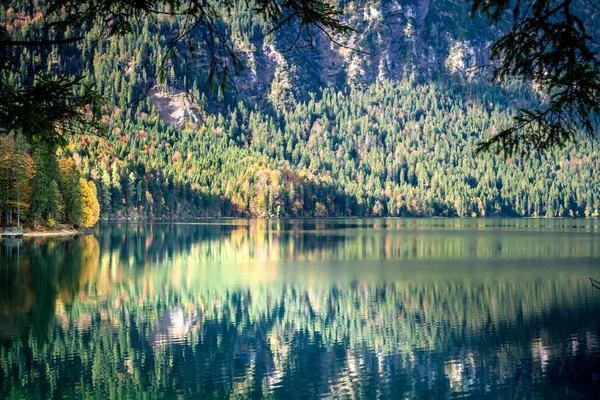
{"points": [[42, 273], [131, 312], [397, 339], [264, 240]]}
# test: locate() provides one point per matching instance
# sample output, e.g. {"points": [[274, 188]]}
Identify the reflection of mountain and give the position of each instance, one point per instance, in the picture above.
{"points": [[415, 340], [214, 310]]}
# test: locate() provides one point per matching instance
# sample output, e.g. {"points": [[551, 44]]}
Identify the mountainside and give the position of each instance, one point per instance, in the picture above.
{"points": [[390, 129], [393, 40]]}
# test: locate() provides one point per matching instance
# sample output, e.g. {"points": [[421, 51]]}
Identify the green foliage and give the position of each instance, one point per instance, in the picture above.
{"points": [[54, 202], [391, 148], [72, 191], [16, 171], [550, 45], [41, 182], [51, 108], [42, 188], [394, 149]]}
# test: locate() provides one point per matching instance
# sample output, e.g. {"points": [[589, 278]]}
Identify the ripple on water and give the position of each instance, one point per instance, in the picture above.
{"points": [[358, 309]]}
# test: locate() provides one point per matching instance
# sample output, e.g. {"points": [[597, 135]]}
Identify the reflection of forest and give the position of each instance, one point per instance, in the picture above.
{"points": [[38, 275], [132, 312], [384, 239]]}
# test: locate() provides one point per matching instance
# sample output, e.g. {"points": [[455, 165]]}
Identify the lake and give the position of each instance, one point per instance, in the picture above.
{"points": [[342, 308]]}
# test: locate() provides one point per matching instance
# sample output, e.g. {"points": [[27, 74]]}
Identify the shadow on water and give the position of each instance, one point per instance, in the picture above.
{"points": [[252, 308]]}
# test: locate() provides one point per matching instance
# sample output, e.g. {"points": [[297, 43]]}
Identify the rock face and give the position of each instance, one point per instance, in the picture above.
{"points": [[394, 39], [173, 107]]}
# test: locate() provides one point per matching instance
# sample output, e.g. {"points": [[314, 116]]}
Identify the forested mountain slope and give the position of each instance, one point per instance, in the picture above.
{"points": [[387, 130]]}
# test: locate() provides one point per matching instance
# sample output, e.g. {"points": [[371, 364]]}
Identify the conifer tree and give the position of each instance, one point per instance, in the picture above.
{"points": [[71, 189], [40, 186], [55, 206]]}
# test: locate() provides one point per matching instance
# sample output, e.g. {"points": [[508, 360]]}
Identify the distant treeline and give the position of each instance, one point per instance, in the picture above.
{"points": [[393, 150]]}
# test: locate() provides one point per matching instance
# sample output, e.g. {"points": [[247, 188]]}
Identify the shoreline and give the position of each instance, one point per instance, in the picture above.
{"points": [[33, 234], [62, 232], [29, 233], [437, 217]]}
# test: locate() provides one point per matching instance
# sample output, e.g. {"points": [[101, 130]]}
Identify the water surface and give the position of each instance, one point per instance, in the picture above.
{"points": [[381, 308]]}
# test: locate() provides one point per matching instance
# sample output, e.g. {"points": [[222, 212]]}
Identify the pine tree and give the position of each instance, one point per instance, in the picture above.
{"points": [[116, 195], [55, 202], [23, 172], [131, 192], [40, 187], [71, 189], [105, 193]]}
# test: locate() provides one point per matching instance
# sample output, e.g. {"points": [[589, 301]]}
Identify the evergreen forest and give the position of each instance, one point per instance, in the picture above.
{"points": [[348, 136]]}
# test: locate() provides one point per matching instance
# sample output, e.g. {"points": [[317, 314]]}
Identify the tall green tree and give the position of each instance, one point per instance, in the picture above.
{"points": [[16, 170], [23, 172], [40, 186], [71, 189], [46, 199], [55, 207]]}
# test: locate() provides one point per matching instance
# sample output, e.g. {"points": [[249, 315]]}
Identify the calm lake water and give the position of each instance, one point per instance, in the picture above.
{"points": [[378, 308]]}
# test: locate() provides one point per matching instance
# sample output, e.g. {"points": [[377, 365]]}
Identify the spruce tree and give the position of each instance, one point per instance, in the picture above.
{"points": [[40, 186]]}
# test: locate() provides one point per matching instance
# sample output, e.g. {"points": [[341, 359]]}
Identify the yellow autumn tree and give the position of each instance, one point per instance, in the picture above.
{"points": [[89, 203]]}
